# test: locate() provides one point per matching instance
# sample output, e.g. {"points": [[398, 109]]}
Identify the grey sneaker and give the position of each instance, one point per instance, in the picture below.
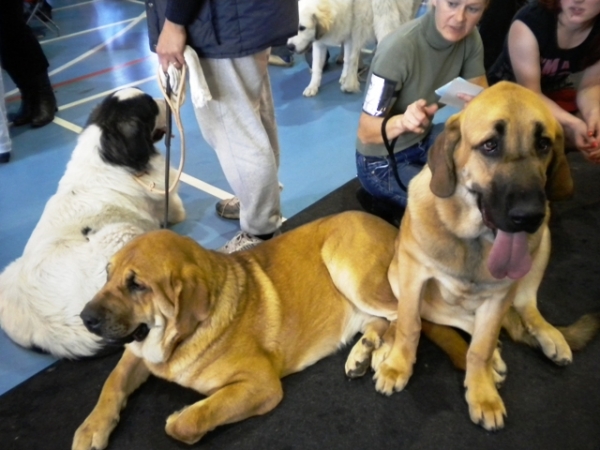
{"points": [[229, 208], [241, 241]]}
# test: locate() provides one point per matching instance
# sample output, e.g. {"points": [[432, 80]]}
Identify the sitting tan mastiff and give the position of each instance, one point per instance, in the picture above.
{"points": [[474, 240], [230, 326]]}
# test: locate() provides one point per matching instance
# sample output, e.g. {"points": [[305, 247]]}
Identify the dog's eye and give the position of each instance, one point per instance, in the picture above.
{"points": [[301, 28], [133, 286], [489, 148], [544, 145]]}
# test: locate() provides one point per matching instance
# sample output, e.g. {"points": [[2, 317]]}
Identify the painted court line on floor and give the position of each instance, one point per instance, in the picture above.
{"points": [[105, 93], [90, 30], [188, 179], [91, 52]]}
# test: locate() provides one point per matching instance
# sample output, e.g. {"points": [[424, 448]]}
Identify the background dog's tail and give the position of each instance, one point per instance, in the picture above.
{"points": [[577, 335]]}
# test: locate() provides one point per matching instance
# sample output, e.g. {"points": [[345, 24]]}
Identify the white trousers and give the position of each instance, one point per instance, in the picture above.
{"points": [[239, 124]]}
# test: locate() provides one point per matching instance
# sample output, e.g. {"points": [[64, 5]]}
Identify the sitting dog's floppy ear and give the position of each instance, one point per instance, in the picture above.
{"points": [[559, 184], [440, 159]]}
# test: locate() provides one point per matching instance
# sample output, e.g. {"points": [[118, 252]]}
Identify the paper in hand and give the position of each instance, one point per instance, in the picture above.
{"points": [[449, 91]]}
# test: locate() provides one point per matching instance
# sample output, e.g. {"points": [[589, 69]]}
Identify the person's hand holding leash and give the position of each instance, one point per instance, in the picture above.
{"points": [[170, 46]]}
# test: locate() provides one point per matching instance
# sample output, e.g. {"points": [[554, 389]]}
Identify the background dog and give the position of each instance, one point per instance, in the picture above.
{"points": [[101, 203], [350, 23], [230, 326], [474, 240]]}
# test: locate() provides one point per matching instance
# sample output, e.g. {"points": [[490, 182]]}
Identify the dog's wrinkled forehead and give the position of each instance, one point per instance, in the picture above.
{"points": [[149, 254], [507, 109]]}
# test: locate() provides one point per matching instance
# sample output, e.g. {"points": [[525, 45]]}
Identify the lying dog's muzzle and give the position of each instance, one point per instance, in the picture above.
{"points": [[97, 321]]}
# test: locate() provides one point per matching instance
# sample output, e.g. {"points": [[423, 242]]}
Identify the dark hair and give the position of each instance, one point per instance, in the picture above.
{"points": [[594, 47], [552, 5]]}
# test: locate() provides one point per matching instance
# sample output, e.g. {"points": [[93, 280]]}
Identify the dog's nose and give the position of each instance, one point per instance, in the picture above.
{"points": [[91, 320], [527, 220], [291, 47]]}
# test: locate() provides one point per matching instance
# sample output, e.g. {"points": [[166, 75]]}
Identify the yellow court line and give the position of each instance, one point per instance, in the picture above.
{"points": [[185, 178]]}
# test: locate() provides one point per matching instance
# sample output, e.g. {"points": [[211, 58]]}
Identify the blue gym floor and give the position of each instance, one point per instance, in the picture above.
{"points": [[103, 46]]}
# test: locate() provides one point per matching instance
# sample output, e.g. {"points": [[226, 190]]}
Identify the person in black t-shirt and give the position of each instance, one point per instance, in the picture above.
{"points": [[553, 48]]}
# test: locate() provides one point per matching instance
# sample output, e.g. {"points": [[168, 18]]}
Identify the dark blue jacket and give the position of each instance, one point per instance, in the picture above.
{"points": [[226, 28]]}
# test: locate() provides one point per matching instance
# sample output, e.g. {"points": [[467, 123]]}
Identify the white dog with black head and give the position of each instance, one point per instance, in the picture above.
{"points": [[103, 200]]}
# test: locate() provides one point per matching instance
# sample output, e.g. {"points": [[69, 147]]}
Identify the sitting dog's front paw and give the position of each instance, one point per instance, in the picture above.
{"points": [[310, 91], [486, 408], [393, 374]]}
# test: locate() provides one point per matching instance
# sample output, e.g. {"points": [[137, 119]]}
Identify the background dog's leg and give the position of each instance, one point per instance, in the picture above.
{"points": [[318, 60], [349, 78], [551, 340], [232, 403], [126, 377], [486, 408], [359, 358]]}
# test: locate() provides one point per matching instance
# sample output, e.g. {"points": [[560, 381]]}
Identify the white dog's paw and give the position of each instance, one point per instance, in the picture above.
{"points": [[350, 84], [310, 91]]}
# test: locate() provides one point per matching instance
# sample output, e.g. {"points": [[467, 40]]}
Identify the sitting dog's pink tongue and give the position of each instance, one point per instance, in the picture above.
{"points": [[509, 256]]}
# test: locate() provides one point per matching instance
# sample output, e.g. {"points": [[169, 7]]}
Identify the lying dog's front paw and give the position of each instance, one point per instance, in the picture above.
{"points": [[92, 434], [379, 355], [359, 359], [184, 427], [499, 368], [310, 91], [486, 408], [392, 375]]}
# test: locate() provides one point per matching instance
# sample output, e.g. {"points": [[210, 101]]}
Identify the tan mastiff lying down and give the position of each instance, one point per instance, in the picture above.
{"points": [[474, 240], [230, 326]]}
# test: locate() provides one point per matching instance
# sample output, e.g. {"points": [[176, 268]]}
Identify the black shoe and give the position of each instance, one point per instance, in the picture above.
{"points": [[388, 211], [38, 103], [42, 111], [23, 116], [4, 157]]}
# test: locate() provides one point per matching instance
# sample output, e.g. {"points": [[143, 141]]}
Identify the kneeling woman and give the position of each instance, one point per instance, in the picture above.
{"points": [[408, 66]]}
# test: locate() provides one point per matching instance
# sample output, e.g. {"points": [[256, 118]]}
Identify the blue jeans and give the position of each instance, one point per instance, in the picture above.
{"points": [[377, 177]]}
